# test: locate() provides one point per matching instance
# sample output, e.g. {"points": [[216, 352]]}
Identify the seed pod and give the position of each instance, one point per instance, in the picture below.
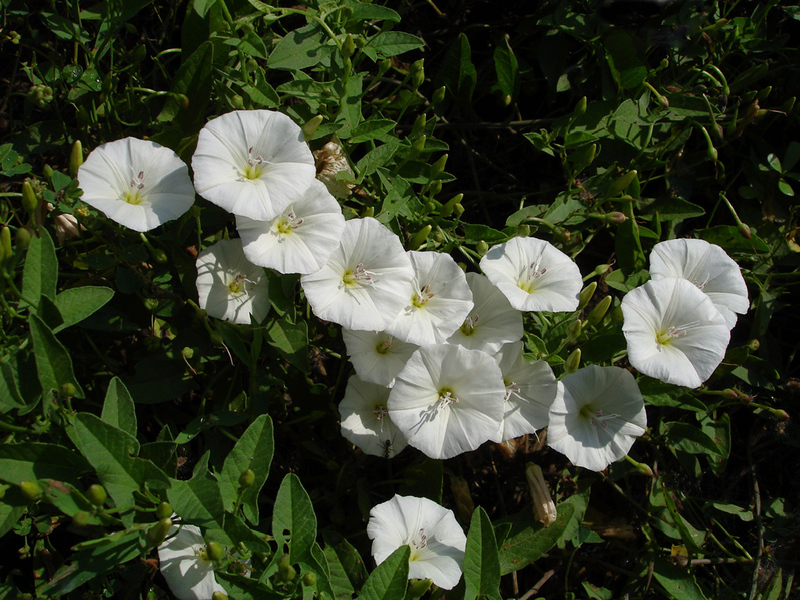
{"points": [[156, 534], [80, 518], [97, 494], [31, 490], [163, 510], [287, 573], [68, 390], [247, 478], [215, 552], [310, 579]]}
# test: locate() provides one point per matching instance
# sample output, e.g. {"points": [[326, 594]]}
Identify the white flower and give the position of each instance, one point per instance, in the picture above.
{"points": [[185, 565], [377, 356], [534, 275], [364, 283], [365, 419], [137, 183], [254, 163], [709, 268], [492, 321], [431, 531], [298, 240], [598, 416], [448, 400], [228, 286], [531, 388], [674, 332], [439, 300]]}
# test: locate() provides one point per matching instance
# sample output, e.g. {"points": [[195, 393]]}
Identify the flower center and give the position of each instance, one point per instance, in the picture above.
{"points": [[468, 328], [202, 554], [359, 275], [447, 397], [288, 223], [418, 300], [596, 417], [254, 166], [134, 195], [527, 280], [512, 389], [384, 347], [236, 286], [380, 411], [665, 336], [703, 284]]}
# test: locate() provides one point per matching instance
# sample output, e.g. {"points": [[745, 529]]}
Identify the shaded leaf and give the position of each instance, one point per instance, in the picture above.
{"points": [[53, 362], [294, 513], [388, 581], [40, 275], [118, 408], [481, 561]]}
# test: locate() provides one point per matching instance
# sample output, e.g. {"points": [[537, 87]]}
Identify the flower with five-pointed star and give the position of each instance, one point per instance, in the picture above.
{"points": [[185, 564]]}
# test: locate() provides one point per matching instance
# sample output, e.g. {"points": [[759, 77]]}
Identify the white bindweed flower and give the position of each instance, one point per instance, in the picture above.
{"points": [[431, 531], [492, 321], [377, 356], [595, 421], [254, 163], [674, 332], [136, 183], [185, 565], [448, 400], [365, 419], [439, 299], [534, 275], [531, 388], [365, 281], [709, 268], [298, 240], [229, 287]]}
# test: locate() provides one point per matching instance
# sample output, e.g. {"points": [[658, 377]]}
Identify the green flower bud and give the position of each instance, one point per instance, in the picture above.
{"points": [[47, 172], [31, 490], [384, 66], [574, 330], [615, 217], [601, 270], [349, 46], [219, 596], [482, 248], [788, 105], [419, 238], [641, 468], [744, 229], [523, 230], [283, 560], [586, 295], [310, 128], [151, 304], [417, 587], [247, 479], [447, 209], [5, 242], [458, 209], [163, 510], [622, 183], [97, 494], [438, 167], [418, 73], [216, 552], [580, 108], [429, 207], [419, 126], [156, 534], [310, 579], [438, 96], [237, 102], [573, 362], [29, 199], [418, 145], [80, 518], [599, 311], [23, 238], [435, 188], [369, 212], [438, 236]]}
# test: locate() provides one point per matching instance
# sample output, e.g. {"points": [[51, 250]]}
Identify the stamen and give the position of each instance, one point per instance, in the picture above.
{"points": [[447, 398], [418, 300], [529, 275], [380, 411], [384, 347], [513, 390], [288, 223], [254, 165], [359, 275], [423, 539], [236, 286], [664, 338], [468, 328], [700, 286]]}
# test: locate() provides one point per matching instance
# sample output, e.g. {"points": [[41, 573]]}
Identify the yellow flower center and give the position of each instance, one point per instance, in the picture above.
{"points": [[236, 286], [468, 328]]}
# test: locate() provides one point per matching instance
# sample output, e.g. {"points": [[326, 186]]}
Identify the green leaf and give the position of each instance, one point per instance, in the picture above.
{"points": [[291, 340], [424, 480], [626, 68], [505, 65], [294, 513], [388, 581], [377, 157], [391, 43], [302, 48], [201, 7], [193, 80], [40, 275], [677, 582], [481, 561], [528, 540], [53, 362], [118, 408], [346, 565], [351, 102], [457, 72], [12, 507], [673, 208], [31, 461], [198, 499], [686, 437], [253, 451], [10, 397], [49, 313], [372, 12], [372, 129]]}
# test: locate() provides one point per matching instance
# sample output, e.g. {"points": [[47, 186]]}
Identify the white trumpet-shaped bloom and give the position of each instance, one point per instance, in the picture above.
{"points": [[534, 275], [531, 388], [448, 400], [377, 356], [674, 332], [439, 300], [709, 268], [365, 281], [137, 183], [185, 565], [254, 163], [298, 240], [365, 419], [597, 418], [229, 287], [492, 321], [435, 538]]}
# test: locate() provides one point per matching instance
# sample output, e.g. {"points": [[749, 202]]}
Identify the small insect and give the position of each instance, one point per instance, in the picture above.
{"points": [[386, 447]]}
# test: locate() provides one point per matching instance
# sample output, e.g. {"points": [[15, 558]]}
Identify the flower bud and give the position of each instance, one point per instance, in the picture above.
{"points": [[418, 73], [156, 534], [215, 552], [219, 596], [247, 479], [66, 227], [447, 209], [615, 217], [68, 390], [482, 248], [641, 468], [419, 126], [187, 353], [384, 66], [29, 199], [283, 560], [753, 345], [419, 238], [417, 588], [622, 183], [580, 108], [438, 96], [22, 238], [574, 330], [151, 304], [586, 295], [435, 188], [349, 46], [599, 311], [5, 242], [163, 510], [287, 573], [310, 579], [310, 128], [573, 362], [418, 145], [369, 212], [31, 490], [523, 230], [47, 172], [96, 494], [75, 158], [544, 509], [438, 167], [744, 229]]}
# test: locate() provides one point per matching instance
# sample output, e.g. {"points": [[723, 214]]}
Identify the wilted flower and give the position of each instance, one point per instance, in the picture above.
{"points": [[330, 160], [598, 417], [364, 283], [137, 183], [544, 509], [66, 227], [254, 163], [377, 356], [534, 275], [674, 332], [229, 287], [431, 531], [365, 419], [448, 400], [298, 240], [709, 268], [492, 321], [185, 564], [438, 300]]}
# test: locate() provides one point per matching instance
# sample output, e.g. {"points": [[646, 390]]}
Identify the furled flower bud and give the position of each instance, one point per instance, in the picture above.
{"points": [[573, 362], [419, 238], [599, 311], [310, 128], [31, 490], [75, 158], [156, 534], [438, 96], [66, 227], [330, 160], [543, 506], [586, 295]]}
